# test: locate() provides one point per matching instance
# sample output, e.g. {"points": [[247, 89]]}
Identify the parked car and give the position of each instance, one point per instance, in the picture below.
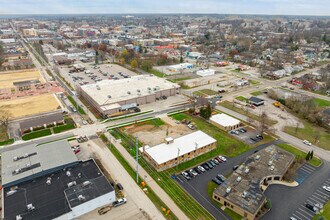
{"points": [[254, 139], [224, 159], [218, 159], [216, 181], [215, 161], [326, 188], [312, 207], [211, 162], [221, 178], [201, 168], [119, 202], [260, 137], [243, 130], [205, 166], [197, 170], [120, 187], [193, 172], [77, 150], [210, 165], [185, 175]]}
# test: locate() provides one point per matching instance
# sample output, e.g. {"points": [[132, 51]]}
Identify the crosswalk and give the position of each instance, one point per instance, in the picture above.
{"points": [[320, 196], [303, 172]]}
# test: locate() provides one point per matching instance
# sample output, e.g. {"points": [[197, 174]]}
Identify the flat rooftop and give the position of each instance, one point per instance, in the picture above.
{"points": [[252, 172], [224, 120], [113, 91], [56, 199], [32, 160], [164, 152]]}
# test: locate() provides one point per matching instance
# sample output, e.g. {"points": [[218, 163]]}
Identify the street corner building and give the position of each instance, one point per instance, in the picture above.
{"points": [[243, 191], [225, 122], [176, 151], [111, 96]]}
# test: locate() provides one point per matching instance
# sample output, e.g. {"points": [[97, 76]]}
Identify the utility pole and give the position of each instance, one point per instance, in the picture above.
{"points": [[137, 160]]}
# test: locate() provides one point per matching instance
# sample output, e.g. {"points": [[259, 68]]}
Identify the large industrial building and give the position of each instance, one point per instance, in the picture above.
{"points": [[225, 122], [243, 191], [48, 182], [176, 151], [111, 96]]}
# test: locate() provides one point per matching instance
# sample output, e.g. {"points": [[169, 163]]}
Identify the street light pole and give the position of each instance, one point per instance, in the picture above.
{"points": [[137, 160]]}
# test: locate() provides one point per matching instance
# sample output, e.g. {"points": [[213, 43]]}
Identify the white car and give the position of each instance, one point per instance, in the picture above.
{"points": [[201, 168], [119, 202], [307, 142], [223, 158], [327, 188]]}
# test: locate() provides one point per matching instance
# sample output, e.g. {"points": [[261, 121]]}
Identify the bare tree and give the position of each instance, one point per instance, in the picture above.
{"points": [[297, 126], [263, 123], [4, 117], [316, 136]]}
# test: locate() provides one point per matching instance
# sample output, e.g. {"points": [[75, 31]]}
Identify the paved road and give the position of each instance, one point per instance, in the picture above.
{"points": [[290, 201], [150, 181], [134, 194], [324, 154], [197, 187]]}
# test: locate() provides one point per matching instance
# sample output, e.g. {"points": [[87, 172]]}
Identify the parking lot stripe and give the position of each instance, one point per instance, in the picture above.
{"points": [[307, 213], [311, 200], [320, 199], [308, 168], [300, 214], [296, 216], [320, 195], [323, 192]]}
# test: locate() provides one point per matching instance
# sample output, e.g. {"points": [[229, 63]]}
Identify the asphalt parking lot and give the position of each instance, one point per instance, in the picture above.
{"points": [[290, 201], [246, 137], [197, 187], [93, 74]]}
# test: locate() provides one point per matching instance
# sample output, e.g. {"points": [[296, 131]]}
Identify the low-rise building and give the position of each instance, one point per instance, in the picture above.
{"points": [[243, 191], [256, 101], [206, 72], [176, 151], [225, 122]]}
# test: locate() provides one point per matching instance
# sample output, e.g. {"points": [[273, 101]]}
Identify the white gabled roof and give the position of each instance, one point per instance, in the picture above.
{"points": [[165, 152], [224, 120]]}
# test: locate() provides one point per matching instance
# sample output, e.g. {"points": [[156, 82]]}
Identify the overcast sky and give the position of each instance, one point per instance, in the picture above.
{"points": [[277, 7]]}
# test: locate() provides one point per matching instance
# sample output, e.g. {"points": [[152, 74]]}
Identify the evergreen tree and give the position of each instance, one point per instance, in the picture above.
{"points": [[312, 155]]}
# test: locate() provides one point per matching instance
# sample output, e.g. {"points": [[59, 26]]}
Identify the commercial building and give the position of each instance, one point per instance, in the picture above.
{"points": [[225, 122], [206, 72], [178, 67], [243, 191], [111, 96], [29, 162], [41, 121], [256, 101], [63, 194], [176, 151]]}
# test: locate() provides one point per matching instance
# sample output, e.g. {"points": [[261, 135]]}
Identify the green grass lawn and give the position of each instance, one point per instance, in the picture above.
{"points": [[179, 79], [254, 82], [6, 142], [325, 213], [242, 98], [308, 133], [156, 122], [256, 93], [37, 134], [156, 73], [63, 128], [321, 102], [184, 201], [205, 92], [230, 106], [299, 154], [73, 102]]}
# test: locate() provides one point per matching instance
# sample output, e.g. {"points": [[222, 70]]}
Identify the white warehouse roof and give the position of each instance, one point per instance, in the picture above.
{"points": [[224, 120], [165, 152], [113, 91]]}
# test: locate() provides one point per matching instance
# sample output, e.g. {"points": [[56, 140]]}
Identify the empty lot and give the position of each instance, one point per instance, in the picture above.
{"points": [[8, 78], [30, 105]]}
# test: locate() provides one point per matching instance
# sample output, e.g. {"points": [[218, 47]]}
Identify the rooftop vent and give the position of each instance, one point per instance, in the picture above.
{"points": [[68, 173], [98, 87], [30, 207], [272, 168], [86, 183], [239, 179], [149, 88], [270, 163], [11, 192], [257, 157], [73, 183], [109, 96], [228, 190], [128, 92], [246, 170], [19, 217], [81, 198], [244, 194], [49, 181], [138, 90]]}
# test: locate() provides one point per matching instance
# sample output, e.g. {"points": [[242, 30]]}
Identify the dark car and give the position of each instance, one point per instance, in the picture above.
{"points": [[210, 165], [235, 167], [221, 177], [119, 186], [197, 170], [216, 181], [215, 161], [218, 159], [311, 207], [205, 166], [254, 139], [260, 137]]}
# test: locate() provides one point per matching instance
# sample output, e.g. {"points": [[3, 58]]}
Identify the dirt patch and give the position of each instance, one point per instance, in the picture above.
{"points": [[8, 78], [30, 105], [152, 135]]}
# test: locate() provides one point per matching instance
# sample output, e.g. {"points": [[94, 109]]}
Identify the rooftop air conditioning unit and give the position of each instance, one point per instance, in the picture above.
{"points": [[68, 173], [19, 217], [246, 170], [11, 192], [228, 190], [244, 194], [86, 183], [73, 183], [30, 207], [270, 163], [257, 157], [15, 159], [239, 179], [81, 198]]}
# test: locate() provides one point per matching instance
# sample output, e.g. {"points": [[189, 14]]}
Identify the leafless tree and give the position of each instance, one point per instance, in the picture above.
{"points": [[263, 123]]}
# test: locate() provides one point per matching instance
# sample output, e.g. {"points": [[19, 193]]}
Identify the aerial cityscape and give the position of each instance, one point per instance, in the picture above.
{"points": [[154, 110]]}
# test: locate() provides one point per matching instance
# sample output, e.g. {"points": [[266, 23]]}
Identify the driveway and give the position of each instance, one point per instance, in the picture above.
{"points": [[290, 201]]}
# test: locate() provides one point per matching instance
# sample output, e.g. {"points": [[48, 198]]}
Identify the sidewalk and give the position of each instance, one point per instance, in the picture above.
{"points": [[150, 181]]}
